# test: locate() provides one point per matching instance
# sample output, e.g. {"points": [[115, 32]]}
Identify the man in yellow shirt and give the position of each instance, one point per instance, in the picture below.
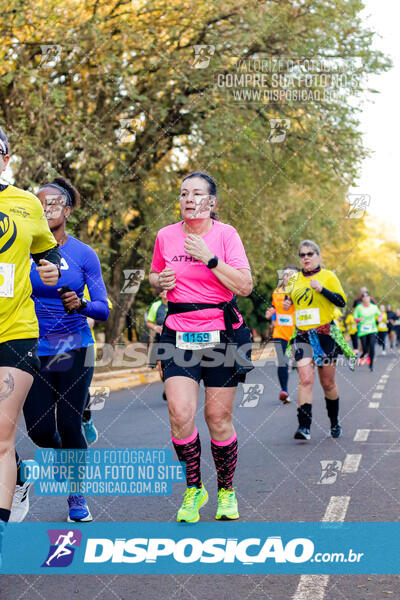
{"points": [[23, 231]]}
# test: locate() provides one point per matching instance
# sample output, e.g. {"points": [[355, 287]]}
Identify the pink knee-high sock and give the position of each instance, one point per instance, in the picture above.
{"points": [[225, 459], [189, 451]]}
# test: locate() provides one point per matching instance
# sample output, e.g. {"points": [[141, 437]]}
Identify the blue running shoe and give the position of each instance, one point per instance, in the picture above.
{"points": [[78, 509], [90, 431], [336, 431], [302, 434]]}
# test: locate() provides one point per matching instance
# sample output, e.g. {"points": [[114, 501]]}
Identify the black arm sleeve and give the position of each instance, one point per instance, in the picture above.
{"points": [[53, 255], [336, 299]]}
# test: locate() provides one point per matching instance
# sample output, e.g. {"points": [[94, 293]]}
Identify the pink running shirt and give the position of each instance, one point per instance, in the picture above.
{"points": [[194, 281]]}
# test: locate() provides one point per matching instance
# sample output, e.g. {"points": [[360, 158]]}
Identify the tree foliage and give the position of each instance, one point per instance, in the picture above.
{"points": [[108, 95]]}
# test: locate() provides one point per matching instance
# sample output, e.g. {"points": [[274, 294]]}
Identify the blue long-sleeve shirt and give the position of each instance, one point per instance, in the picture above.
{"points": [[60, 332]]}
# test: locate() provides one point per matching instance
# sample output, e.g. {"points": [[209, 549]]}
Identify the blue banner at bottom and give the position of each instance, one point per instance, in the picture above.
{"points": [[209, 548]]}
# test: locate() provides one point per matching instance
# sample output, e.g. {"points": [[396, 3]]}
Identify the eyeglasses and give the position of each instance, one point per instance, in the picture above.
{"points": [[304, 254]]}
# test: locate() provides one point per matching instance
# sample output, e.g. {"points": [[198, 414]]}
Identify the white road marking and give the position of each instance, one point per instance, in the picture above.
{"points": [[336, 509], [361, 435], [313, 587], [377, 395], [380, 387], [373, 405], [351, 463]]}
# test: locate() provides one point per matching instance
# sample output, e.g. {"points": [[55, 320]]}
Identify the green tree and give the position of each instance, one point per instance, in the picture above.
{"points": [[109, 95]]}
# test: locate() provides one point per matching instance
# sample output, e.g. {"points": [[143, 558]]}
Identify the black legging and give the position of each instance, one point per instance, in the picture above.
{"points": [[354, 339], [87, 413], [381, 339], [283, 363], [54, 406], [368, 346]]}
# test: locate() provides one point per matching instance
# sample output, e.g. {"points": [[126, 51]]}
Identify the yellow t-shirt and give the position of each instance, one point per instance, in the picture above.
{"points": [[338, 318], [382, 325], [311, 307], [23, 230], [351, 324]]}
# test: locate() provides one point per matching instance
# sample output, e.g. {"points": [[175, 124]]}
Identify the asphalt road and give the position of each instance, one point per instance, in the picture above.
{"points": [[277, 479]]}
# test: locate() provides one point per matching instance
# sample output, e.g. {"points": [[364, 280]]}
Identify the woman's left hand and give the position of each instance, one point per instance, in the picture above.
{"points": [[48, 272], [316, 285], [70, 300], [196, 247]]}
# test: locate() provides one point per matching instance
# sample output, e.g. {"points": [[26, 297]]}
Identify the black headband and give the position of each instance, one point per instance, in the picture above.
{"points": [[3, 146], [63, 191]]}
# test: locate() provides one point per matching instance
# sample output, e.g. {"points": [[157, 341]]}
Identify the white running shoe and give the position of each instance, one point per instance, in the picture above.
{"points": [[20, 503]]}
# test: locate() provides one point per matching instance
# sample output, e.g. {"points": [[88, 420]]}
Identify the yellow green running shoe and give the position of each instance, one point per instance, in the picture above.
{"points": [[193, 499], [227, 505]]}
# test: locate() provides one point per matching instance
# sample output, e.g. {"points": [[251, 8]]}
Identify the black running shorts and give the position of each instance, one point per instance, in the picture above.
{"points": [[20, 354], [217, 366], [303, 349]]}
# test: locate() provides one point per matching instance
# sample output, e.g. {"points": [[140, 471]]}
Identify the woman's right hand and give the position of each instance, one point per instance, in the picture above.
{"points": [[269, 312], [166, 279]]}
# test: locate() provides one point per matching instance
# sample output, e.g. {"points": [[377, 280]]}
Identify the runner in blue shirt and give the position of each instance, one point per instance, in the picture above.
{"points": [[54, 406]]}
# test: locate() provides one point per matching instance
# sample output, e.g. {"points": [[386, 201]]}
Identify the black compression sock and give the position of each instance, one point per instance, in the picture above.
{"points": [[5, 514], [304, 415], [19, 464], [332, 407]]}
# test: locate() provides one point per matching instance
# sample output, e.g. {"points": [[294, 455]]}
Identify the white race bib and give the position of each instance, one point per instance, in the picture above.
{"points": [[7, 273], [197, 340], [365, 328], [284, 320], [307, 316]]}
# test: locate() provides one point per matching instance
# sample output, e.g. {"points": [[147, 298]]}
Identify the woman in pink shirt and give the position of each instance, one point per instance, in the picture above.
{"points": [[202, 264]]}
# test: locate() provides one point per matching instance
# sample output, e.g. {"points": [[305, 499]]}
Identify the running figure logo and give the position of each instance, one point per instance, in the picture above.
{"points": [[251, 394], [51, 54], [202, 56], [98, 397], [279, 130], [330, 469], [358, 205], [133, 278], [63, 543]]}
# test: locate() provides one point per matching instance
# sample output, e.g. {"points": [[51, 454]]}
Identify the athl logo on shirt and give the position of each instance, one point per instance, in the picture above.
{"points": [[8, 232], [185, 258], [63, 543]]}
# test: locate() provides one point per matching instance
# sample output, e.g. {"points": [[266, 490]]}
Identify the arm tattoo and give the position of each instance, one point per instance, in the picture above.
{"points": [[6, 387]]}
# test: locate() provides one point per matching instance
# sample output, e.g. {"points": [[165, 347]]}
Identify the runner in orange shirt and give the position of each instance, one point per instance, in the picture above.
{"points": [[283, 329]]}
